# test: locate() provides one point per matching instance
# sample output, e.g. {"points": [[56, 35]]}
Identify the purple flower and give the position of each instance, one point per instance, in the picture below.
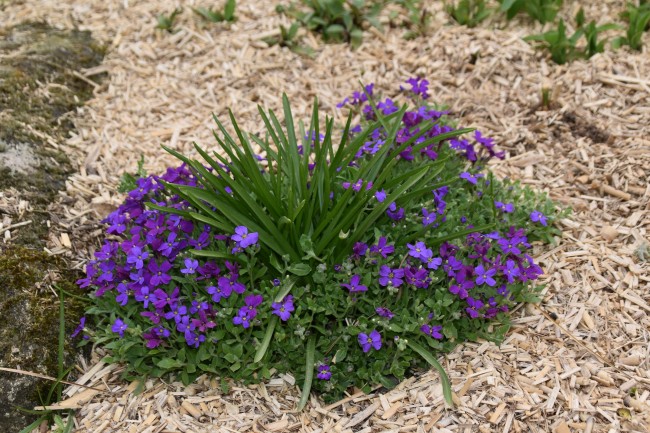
{"points": [[380, 196], [193, 340], [80, 327], [510, 271], [384, 312], [154, 316], [190, 266], [136, 257], [393, 213], [387, 107], [324, 372], [504, 207], [163, 298], [231, 283], [418, 250], [354, 285], [367, 341], [119, 327], [431, 262], [432, 331], [252, 302], [159, 273], [509, 246], [123, 297], [428, 218], [359, 250], [145, 296], [460, 291], [416, 277], [381, 248], [419, 86], [485, 276], [242, 238], [219, 292], [538, 217], [357, 185], [390, 277], [177, 312], [468, 177], [152, 338], [241, 319], [283, 309]]}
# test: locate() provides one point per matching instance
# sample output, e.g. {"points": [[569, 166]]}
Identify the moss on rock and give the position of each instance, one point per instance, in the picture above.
{"points": [[29, 322], [38, 86]]}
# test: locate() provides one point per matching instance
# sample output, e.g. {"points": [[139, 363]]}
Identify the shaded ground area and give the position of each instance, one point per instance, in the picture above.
{"points": [[39, 85]]}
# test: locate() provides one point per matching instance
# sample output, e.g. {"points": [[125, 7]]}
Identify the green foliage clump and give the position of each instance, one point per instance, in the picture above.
{"points": [[215, 16], [349, 255], [419, 18], [542, 11], [564, 48], [638, 18], [166, 22], [469, 13], [128, 181], [337, 20]]}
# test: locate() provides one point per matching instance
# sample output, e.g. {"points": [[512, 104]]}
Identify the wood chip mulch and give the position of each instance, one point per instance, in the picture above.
{"points": [[576, 363]]}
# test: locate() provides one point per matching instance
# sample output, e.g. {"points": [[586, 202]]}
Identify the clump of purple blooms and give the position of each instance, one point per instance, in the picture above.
{"points": [[173, 283], [142, 266]]}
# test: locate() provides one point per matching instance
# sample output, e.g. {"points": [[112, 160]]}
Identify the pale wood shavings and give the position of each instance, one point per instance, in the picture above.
{"points": [[572, 366]]}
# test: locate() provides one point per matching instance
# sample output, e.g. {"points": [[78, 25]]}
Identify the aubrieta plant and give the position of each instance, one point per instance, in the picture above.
{"points": [[348, 258]]}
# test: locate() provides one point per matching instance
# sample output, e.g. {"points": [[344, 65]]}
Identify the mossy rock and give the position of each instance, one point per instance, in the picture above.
{"points": [[38, 86], [29, 327]]}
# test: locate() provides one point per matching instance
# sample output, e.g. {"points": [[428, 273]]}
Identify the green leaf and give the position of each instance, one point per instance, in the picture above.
{"points": [[309, 372], [168, 363], [261, 350], [229, 10], [300, 269], [285, 289], [340, 355]]}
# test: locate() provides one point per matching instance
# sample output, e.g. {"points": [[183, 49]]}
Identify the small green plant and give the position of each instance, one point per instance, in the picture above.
{"points": [[55, 391], [166, 22], [419, 18], [543, 11], [638, 18], [565, 49], [338, 20], [214, 16], [469, 13], [288, 38], [128, 180]]}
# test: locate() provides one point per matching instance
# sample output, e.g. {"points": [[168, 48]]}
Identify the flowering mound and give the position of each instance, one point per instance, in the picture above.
{"points": [[355, 263]]}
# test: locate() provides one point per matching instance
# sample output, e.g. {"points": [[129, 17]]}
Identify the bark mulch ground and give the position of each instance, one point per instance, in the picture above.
{"points": [[576, 363]]}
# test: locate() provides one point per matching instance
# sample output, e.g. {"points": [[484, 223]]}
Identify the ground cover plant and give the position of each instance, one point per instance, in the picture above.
{"points": [[543, 11], [564, 48], [638, 21], [336, 20], [469, 13], [348, 256], [217, 16]]}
